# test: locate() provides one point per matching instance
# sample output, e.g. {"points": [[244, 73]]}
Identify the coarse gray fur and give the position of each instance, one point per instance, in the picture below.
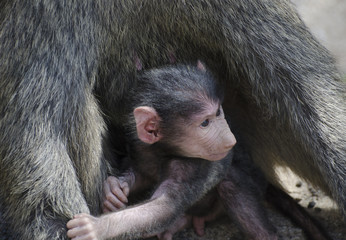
{"points": [[64, 65]]}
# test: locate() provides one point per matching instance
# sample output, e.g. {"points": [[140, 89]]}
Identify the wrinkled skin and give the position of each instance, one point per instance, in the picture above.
{"points": [[207, 136]]}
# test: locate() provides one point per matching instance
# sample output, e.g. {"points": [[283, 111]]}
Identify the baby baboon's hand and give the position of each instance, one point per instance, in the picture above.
{"points": [[85, 226], [116, 191]]}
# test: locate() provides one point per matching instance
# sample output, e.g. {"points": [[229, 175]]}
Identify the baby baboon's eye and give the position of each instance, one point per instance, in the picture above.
{"points": [[205, 123]]}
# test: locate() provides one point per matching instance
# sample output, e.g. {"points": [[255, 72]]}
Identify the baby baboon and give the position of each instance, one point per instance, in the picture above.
{"points": [[174, 127]]}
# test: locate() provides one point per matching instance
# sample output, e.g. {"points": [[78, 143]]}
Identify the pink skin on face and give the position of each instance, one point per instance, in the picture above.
{"points": [[208, 136]]}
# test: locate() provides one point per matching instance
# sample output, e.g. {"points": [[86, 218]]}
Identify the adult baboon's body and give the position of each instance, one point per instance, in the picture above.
{"points": [[62, 63]]}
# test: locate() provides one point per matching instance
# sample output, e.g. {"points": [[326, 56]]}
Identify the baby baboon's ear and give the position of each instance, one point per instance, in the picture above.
{"points": [[147, 124], [201, 66]]}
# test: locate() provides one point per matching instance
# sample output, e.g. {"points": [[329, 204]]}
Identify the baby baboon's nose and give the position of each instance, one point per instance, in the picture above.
{"points": [[230, 140]]}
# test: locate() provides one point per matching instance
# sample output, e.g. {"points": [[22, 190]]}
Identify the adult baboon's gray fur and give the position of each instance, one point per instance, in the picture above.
{"points": [[62, 63]]}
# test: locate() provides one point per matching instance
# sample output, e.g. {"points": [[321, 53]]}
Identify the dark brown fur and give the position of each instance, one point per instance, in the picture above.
{"points": [[57, 57]]}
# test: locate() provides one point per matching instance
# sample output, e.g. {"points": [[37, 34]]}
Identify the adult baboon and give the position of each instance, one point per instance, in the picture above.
{"points": [[63, 62]]}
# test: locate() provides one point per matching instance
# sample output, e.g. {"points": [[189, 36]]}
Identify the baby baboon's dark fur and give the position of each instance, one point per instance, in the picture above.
{"points": [[63, 62]]}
